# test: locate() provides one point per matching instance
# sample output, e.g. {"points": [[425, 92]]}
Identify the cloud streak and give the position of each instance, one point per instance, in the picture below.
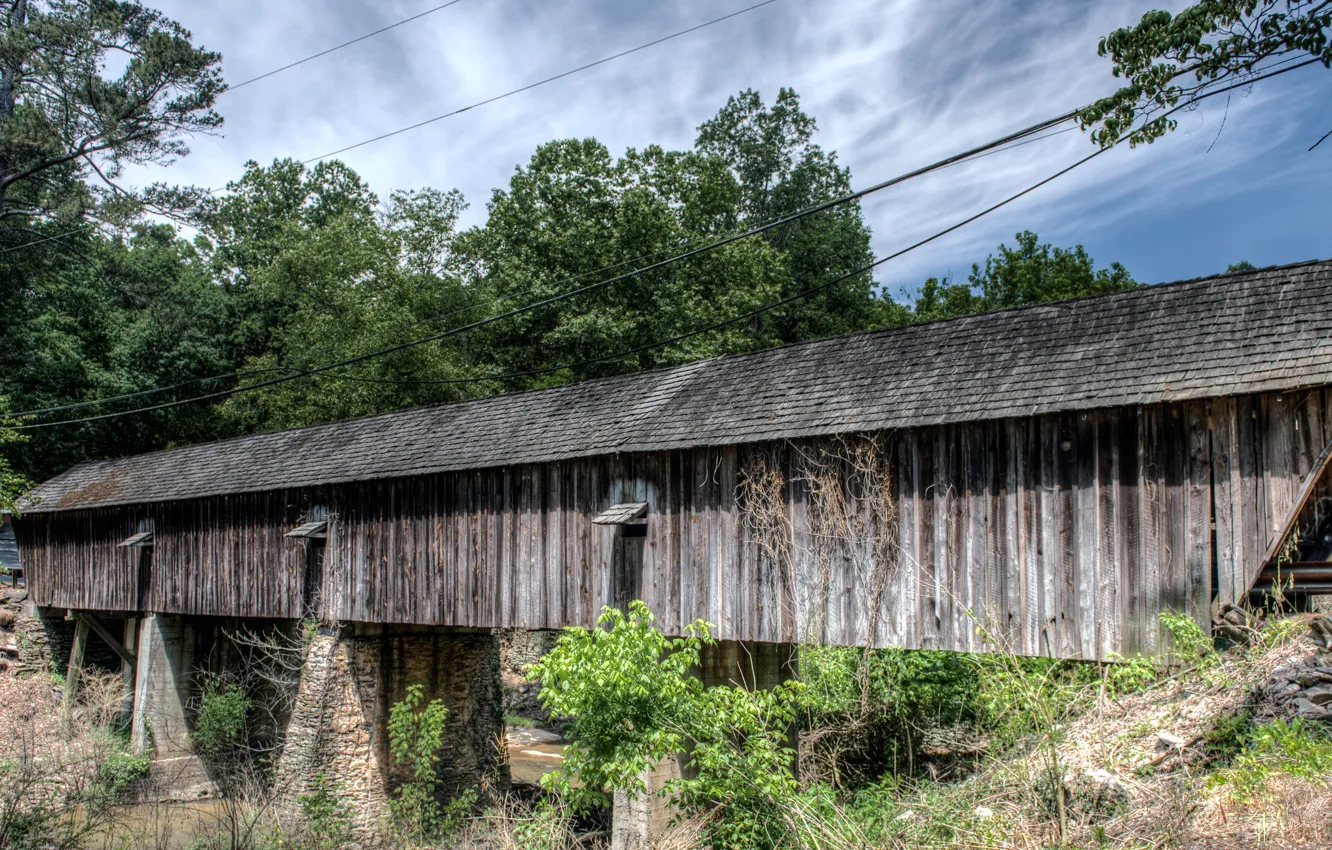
{"points": [[893, 84]]}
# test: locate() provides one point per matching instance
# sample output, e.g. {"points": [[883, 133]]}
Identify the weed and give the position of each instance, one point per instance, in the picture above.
{"points": [[1295, 749]]}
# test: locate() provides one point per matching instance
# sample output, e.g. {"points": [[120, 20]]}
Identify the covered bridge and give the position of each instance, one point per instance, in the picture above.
{"points": [[1064, 472]]}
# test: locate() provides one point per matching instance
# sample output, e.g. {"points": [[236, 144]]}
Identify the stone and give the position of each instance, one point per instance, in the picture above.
{"points": [[1168, 740], [1319, 696], [1304, 708], [908, 815]]}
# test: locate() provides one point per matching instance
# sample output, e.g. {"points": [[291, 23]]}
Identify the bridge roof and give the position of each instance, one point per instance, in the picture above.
{"points": [[1258, 331]]}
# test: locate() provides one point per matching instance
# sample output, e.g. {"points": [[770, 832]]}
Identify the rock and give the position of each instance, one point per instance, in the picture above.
{"points": [[906, 816], [1305, 708], [1165, 739], [1319, 696], [1320, 629]]}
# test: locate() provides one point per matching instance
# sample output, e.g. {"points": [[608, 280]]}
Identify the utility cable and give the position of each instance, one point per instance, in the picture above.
{"points": [[1030, 131], [699, 248], [340, 46], [711, 246], [743, 316], [539, 83]]}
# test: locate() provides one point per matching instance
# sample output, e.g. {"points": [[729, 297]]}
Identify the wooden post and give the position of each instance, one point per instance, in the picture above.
{"points": [[75, 667], [127, 669]]}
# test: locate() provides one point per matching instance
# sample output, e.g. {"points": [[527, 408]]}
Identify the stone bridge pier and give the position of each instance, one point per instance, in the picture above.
{"points": [[351, 679]]}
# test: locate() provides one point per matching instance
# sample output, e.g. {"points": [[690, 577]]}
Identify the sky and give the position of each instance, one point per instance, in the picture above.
{"points": [[893, 85]]}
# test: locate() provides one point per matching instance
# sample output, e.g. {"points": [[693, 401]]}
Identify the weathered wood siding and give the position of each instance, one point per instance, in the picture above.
{"points": [[1262, 447], [1063, 534]]}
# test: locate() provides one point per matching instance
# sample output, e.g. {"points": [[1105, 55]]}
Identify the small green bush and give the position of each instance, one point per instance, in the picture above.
{"points": [[416, 738], [219, 723], [327, 815], [1293, 749]]}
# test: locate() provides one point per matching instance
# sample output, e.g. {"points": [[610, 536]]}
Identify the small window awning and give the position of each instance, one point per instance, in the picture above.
{"points": [[317, 530], [625, 513], [143, 538]]}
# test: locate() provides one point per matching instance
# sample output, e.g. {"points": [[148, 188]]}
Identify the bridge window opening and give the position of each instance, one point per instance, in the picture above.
{"points": [[144, 538], [630, 520], [314, 534]]}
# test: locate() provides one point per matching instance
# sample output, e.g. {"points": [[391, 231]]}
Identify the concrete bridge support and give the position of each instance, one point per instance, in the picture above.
{"points": [[163, 683], [351, 679], [637, 823]]}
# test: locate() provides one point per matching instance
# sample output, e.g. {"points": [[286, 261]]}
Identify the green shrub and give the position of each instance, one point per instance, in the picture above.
{"points": [[630, 692], [416, 739], [1293, 749], [635, 701], [1188, 641], [327, 815], [220, 722]]}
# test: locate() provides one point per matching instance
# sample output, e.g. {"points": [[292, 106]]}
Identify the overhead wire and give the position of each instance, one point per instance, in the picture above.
{"points": [[696, 248], [541, 82], [686, 255], [1022, 134], [751, 313], [452, 113], [349, 43]]}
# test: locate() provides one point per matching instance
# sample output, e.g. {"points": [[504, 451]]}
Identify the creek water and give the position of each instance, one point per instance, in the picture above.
{"points": [[532, 754]]}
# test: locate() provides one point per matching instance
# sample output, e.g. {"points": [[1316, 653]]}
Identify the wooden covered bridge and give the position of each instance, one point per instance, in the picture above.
{"points": [[1064, 472]]}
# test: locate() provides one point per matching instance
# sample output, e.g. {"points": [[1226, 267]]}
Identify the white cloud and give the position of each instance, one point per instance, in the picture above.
{"points": [[893, 85]]}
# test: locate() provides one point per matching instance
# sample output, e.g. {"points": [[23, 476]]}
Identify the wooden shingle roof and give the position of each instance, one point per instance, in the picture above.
{"points": [[1257, 331]]}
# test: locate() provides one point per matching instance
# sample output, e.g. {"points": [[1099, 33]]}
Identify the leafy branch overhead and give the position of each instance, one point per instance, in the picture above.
{"points": [[65, 120], [1173, 59]]}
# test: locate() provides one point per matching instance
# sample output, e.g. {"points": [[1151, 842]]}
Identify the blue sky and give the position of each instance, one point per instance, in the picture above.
{"points": [[893, 85]]}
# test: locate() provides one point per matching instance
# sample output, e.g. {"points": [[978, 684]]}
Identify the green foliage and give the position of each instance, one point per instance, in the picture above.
{"points": [[635, 701], [12, 484], [1241, 266], [1216, 42], [327, 814], [1188, 641], [121, 768], [220, 722], [1295, 749], [1129, 675], [546, 827], [67, 128], [1030, 273], [630, 692], [416, 741]]}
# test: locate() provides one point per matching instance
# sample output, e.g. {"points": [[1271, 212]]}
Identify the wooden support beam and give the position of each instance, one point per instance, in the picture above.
{"points": [[125, 655], [1293, 517], [73, 671]]}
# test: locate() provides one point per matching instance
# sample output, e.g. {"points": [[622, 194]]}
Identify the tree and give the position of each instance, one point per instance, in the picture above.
{"points": [[135, 315], [575, 209], [780, 169], [1031, 273], [318, 271], [12, 485], [62, 119], [1216, 42]]}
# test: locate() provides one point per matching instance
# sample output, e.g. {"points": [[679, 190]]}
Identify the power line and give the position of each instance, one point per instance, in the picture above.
{"points": [[538, 83], [686, 255], [448, 114], [752, 313], [745, 316], [1034, 130], [340, 46]]}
